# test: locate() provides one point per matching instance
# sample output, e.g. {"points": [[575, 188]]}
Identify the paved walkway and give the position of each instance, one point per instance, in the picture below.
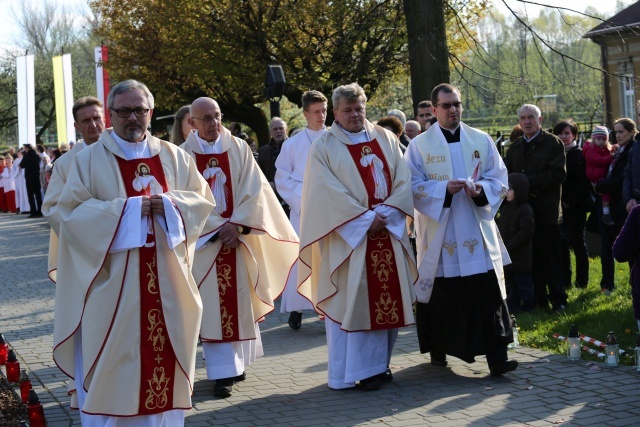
{"points": [[288, 386]]}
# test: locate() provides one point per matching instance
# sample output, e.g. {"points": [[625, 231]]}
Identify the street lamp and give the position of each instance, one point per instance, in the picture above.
{"points": [[274, 88]]}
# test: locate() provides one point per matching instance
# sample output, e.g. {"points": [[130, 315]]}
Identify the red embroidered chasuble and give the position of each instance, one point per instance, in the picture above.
{"points": [[385, 297], [145, 177], [216, 170]]}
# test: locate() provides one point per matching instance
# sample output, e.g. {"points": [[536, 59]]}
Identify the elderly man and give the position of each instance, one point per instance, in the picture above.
{"points": [[459, 181], [127, 310], [88, 119], [291, 165], [424, 114], [412, 129], [242, 265], [540, 155], [356, 264], [268, 154]]}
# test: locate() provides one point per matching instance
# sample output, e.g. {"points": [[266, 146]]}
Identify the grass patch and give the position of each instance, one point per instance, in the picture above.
{"points": [[593, 313]]}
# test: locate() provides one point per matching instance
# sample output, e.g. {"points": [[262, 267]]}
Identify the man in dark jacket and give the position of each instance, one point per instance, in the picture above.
{"points": [[268, 154], [516, 224], [540, 156], [31, 165]]}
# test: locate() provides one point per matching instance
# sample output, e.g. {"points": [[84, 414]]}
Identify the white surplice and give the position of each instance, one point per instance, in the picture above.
{"points": [[290, 167]]}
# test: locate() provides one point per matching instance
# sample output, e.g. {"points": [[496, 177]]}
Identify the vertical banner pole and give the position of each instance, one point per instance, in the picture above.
{"points": [[102, 79], [26, 100]]}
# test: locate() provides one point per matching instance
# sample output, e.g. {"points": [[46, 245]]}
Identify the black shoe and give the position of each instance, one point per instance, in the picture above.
{"points": [[438, 359], [295, 320], [386, 376], [32, 216], [241, 377], [500, 369], [223, 387], [369, 384]]}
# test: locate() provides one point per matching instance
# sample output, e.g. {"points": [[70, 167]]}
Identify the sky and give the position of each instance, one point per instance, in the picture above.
{"points": [[8, 28]]}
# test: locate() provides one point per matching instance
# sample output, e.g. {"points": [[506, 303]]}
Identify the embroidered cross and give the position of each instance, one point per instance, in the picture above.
{"points": [[158, 359], [425, 284], [421, 194]]}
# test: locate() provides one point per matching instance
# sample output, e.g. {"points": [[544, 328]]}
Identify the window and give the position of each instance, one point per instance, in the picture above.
{"points": [[627, 92]]}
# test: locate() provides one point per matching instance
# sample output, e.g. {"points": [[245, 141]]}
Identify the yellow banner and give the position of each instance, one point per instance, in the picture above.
{"points": [[64, 98]]}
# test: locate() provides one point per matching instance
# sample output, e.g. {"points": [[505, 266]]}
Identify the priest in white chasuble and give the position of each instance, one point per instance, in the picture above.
{"points": [[458, 181], [356, 265], [244, 258], [128, 310], [88, 117]]}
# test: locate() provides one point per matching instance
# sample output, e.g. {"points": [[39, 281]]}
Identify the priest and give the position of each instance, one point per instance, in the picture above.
{"points": [[242, 264], [127, 309], [356, 264], [458, 181]]}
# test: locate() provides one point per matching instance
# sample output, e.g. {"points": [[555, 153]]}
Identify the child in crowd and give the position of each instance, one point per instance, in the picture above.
{"points": [[9, 185], [598, 157], [515, 223]]}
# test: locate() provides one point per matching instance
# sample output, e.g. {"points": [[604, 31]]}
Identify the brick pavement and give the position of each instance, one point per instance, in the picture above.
{"points": [[288, 385]]}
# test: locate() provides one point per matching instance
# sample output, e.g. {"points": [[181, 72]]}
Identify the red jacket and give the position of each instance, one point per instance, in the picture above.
{"points": [[597, 161]]}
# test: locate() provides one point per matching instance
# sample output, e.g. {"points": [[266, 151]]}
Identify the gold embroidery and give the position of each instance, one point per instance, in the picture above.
{"points": [[157, 393], [450, 247], [156, 330], [471, 245], [227, 324], [152, 285], [420, 193], [503, 192], [386, 311], [382, 263]]}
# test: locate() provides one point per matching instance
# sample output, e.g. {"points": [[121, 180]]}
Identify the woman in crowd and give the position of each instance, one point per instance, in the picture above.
{"points": [[181, 126], [577, 200], [625, 131], [627, 248]]}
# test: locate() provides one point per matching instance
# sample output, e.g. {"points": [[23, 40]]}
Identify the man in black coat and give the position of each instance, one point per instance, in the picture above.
{"points": [[540, 156], [31, 165]]}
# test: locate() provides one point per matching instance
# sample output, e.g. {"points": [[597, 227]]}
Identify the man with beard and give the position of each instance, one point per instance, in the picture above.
{"points": [[127, 310], [242, 265], [88, 117], [356, 264], [459, 181]]}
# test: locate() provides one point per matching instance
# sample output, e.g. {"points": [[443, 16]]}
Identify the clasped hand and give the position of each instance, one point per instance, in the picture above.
{"points": [[455, 185], [153, 204]]}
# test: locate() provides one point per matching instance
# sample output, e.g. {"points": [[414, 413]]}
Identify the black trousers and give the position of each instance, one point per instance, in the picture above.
{"points": [[547, 266], [34, 194], [572, 232], [465, 317]]}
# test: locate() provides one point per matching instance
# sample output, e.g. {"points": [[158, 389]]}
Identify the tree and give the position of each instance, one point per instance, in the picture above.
{"points": [[221, 49], [45, 31]]}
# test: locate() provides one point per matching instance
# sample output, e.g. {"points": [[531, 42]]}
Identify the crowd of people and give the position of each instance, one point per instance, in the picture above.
{"points": [[156, 245]]}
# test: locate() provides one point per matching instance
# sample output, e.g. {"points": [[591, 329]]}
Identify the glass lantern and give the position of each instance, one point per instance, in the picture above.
{"points": [[612, 350], [574, 343], [515, 328]]}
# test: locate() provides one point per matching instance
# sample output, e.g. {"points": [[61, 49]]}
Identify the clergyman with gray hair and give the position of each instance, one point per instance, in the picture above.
{"points": [[540, 156], [356, 197], [127, 311]]}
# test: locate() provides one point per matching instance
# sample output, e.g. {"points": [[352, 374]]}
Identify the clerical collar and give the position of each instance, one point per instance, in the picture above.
{"points": [[533, 137], [356, 137], [451, 135], [204, 141], [132, 150]]}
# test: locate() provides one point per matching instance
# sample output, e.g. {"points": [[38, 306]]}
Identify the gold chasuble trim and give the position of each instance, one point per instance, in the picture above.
{"points": [[383, 284], [145, 177], [216, 170]]}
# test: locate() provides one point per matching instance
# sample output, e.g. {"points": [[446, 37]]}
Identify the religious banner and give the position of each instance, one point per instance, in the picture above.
{"points": [[102, 78], [63, 88], [26, 100]]}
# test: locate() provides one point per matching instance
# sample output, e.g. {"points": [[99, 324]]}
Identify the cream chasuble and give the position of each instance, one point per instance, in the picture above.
{"points": [[265, 256], [59, 175], [98, 291], [462, 241], [333, 268]]}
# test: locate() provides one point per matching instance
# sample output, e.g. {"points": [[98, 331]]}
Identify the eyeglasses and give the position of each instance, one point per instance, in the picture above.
{"points": [[448, 105], [208, 119], [126, 112]]}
